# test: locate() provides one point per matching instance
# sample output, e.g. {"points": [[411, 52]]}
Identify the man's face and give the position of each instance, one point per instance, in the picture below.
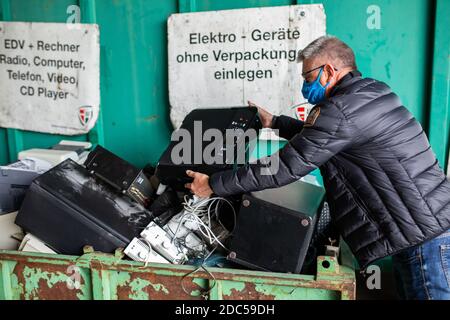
{"points": [[311, 69]]}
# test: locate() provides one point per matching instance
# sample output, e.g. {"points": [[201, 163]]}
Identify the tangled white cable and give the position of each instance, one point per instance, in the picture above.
{"points": [[197, 211]]}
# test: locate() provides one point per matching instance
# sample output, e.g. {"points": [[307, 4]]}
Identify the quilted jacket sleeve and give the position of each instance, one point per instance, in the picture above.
{"points": [[287, 127], [319, 140]]}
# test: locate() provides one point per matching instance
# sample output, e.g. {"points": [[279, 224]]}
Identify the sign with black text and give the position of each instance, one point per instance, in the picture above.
{"points": [[50, 77], [224, 58]]}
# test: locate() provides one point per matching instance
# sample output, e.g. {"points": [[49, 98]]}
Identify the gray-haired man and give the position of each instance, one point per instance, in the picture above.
{"points": [[386, 190]]}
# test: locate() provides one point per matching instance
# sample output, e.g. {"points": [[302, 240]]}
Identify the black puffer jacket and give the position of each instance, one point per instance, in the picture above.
{"points": [[384, 185]]}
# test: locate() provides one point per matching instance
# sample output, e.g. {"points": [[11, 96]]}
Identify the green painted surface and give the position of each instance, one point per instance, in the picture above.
{"points": [[137, 286], [14, 137], [231, 288], [34, 276], [290, 293], [89, 15], [228, 287], [440, 103], [10, 288], [134, 91], [4, 155]]}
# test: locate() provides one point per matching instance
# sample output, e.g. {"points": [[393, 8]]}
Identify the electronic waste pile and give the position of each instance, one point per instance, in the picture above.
{"points": [[68, 197]]}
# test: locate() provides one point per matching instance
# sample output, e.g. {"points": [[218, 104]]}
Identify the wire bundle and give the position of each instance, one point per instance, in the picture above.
{"points": [[201, 213]]}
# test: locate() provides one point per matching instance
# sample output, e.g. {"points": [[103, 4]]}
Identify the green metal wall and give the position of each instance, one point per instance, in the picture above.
{"points": [[134, 120]]}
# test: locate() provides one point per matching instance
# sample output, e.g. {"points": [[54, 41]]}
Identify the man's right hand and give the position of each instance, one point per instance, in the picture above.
{"points": [[265, 116]]}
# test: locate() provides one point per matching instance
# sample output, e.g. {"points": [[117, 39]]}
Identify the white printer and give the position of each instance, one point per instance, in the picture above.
{"points": [[65, 149]]}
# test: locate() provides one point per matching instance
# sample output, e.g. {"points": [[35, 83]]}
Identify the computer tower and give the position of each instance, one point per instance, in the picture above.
{"points": [[237, 118], [120, 174], [67, 208], [275, 226]]}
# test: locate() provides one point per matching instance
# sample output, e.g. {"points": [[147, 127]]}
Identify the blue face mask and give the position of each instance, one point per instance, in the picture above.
{"points": [[314, 92]]}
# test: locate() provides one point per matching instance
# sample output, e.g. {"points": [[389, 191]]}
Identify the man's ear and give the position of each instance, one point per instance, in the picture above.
{"points": [[330, 73]]}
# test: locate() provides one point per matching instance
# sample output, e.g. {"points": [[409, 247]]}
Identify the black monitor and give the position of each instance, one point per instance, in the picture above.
{"points": [[238, 119]]}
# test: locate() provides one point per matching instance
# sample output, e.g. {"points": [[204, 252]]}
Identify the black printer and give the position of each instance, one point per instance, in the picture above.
{"points": [[68, 208], [119, 174]]}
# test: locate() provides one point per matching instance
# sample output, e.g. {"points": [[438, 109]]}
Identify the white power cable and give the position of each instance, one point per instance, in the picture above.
{"points": [[149, 252], [195, 209]]}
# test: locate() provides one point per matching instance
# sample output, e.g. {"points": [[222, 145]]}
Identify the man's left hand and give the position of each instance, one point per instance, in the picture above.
{"points": [[200, 186]]}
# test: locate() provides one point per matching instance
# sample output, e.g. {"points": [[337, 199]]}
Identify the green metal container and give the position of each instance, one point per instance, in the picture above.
{"points": [[409, 50], [98, 276]]}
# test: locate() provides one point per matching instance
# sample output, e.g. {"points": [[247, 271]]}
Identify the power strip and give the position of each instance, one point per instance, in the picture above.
{"points": [[162, 243], [139, 251]]}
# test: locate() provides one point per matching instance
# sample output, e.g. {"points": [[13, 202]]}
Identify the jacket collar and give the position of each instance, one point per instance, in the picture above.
{"points": [[346, 80]]}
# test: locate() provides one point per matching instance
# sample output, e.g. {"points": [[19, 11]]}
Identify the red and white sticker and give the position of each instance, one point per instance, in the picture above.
{"points": [[301, 113]]}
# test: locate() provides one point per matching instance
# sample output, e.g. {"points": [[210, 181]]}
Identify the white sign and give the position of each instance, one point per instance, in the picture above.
{"points": [[224, 58], [49, 77]]}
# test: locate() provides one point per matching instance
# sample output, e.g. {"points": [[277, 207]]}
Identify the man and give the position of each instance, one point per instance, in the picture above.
{"points": [[386, 191]]}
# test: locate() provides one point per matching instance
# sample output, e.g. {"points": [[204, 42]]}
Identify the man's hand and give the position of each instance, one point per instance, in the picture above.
{"points": [[200, 186], [265, 116]]}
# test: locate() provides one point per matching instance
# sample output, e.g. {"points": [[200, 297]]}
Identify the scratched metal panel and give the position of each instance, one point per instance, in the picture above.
{"points": [[96, 276], [38, 277]]}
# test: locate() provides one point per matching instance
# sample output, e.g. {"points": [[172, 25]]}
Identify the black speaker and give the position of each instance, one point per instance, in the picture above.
{"points": [[67, 208], [120, 174], [237, 118], [275, 226]]}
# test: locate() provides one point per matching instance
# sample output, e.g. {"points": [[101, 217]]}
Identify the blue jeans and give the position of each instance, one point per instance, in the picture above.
{"points": [[423, 272]]}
